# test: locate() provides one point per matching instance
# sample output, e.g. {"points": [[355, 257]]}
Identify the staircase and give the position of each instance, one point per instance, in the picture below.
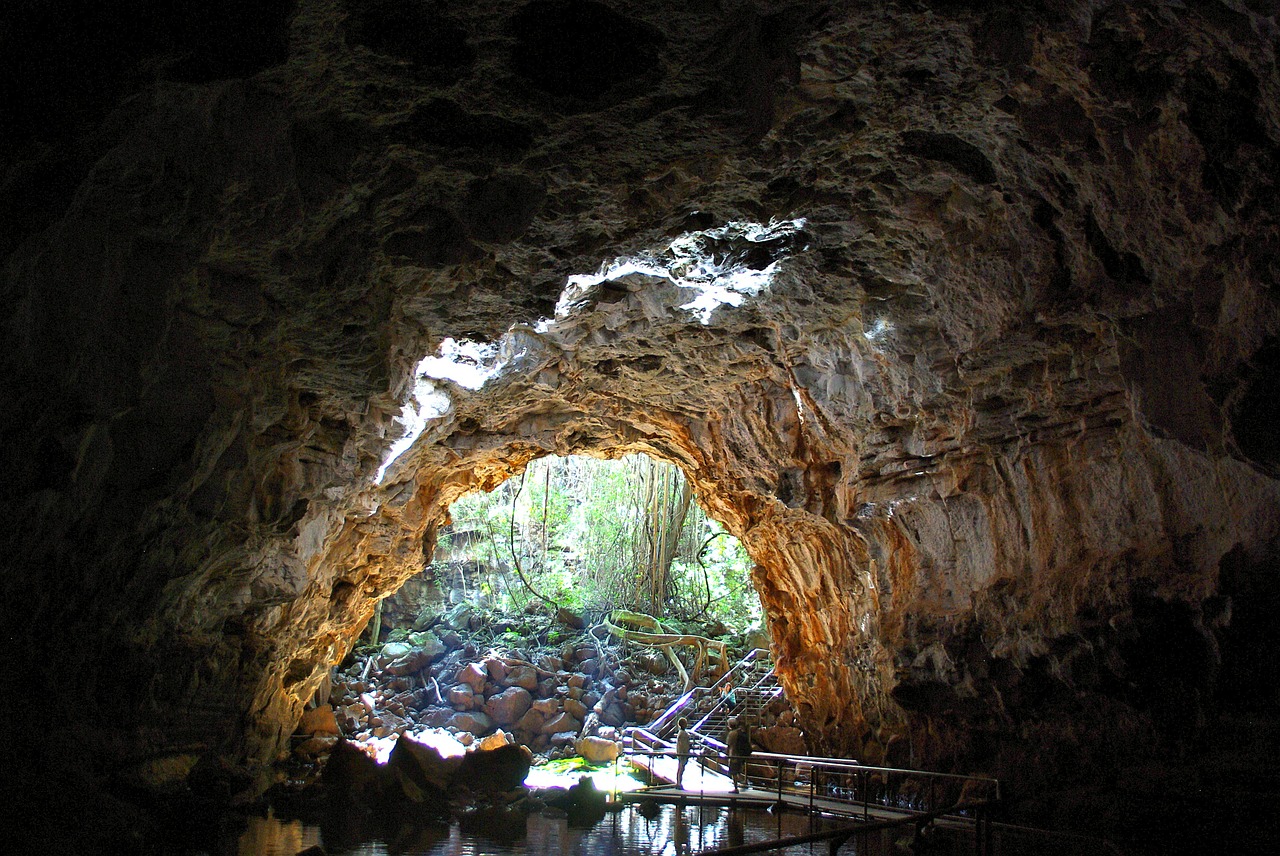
{"points": [[743, 691], [746, 700]]}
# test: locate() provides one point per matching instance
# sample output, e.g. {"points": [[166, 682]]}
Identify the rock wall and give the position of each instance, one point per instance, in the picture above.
{"points": [[961, 316]]}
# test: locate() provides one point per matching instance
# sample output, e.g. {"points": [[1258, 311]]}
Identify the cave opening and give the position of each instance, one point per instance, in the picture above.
{"points": [[589, 535], [544, 615]]}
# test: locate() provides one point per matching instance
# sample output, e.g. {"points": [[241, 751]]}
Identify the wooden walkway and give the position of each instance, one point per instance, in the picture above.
{"points": [[698, 779], [722, 794], [705, 786]]}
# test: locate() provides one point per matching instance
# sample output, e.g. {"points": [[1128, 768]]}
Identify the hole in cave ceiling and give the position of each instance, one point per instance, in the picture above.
{"points": [[698, 274]]}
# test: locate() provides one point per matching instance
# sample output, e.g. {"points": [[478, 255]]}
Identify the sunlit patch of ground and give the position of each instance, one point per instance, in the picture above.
{"points": [[697, 778], [610, 778]]}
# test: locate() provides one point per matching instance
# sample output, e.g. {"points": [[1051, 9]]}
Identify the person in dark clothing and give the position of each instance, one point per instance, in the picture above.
{"points": [[683, 742], [738, 744]]}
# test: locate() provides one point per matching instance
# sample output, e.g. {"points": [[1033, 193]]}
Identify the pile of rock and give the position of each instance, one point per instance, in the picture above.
{"points": [[574, 699]]}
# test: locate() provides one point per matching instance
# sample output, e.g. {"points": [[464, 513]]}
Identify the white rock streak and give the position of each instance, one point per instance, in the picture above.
{"points": [[712, 265], [467, 364], [689, 262]]}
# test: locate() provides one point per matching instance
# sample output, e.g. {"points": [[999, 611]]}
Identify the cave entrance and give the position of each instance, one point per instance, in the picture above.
{"points": [[515, 626], [588, 536], [509, 633]]}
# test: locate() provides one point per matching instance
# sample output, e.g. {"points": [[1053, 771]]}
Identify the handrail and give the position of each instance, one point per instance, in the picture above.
{"points": [[883, 800], [719, 705], [662, 722], [988, 786], [844, 832], [851, 764], [846, 764]]}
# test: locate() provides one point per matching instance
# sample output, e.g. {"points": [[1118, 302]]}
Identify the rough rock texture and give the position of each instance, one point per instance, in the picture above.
{"points": [[991, 402]]}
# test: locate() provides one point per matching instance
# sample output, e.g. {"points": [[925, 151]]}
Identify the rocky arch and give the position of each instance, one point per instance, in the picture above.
{"points": [[745, 448]]}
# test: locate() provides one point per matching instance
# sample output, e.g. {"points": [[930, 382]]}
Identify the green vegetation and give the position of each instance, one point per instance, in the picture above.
{"points": [[589, 534], [565, 773]]}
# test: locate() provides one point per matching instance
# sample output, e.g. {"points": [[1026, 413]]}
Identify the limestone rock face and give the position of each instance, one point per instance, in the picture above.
{"points": [[961, 316]]}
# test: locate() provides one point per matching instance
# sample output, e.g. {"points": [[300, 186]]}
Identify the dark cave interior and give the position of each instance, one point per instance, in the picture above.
{"points": [[962, 317]]}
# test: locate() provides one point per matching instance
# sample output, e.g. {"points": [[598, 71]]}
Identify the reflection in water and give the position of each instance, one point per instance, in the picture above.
{"points": [[267, 836], [671, 831]]}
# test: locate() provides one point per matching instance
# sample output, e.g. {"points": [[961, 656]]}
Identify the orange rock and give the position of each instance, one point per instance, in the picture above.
{"points": [[319, 720]]}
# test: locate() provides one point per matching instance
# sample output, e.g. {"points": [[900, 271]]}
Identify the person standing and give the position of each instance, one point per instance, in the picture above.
{"points": [[683, 741], [738, 744]]}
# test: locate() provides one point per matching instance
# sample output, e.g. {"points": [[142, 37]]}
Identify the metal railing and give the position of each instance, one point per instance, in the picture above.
{"points": [[872, 796], [842, 787], [876, 797], [664, 723]]}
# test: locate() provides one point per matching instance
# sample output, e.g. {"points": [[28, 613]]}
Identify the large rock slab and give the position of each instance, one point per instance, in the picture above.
{"points": [[597, 750]]}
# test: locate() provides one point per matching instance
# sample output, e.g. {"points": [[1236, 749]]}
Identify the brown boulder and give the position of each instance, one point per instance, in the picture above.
{"points": [[575, 708], [414, 661], [496, 668], [353, 716], [531, 721], [474, 676], [559, 723], [462, 697], [547, 706], [521, 675], [476, 722], [319, 720], [509, 705], [613, 714], [495, 740], [436, 717]]}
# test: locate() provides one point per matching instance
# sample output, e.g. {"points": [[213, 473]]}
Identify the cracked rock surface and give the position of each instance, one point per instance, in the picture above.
{"points": [[961, 316]]}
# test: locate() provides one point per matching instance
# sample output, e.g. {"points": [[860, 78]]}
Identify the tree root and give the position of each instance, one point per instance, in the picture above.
{"points": [[667, 642]]}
